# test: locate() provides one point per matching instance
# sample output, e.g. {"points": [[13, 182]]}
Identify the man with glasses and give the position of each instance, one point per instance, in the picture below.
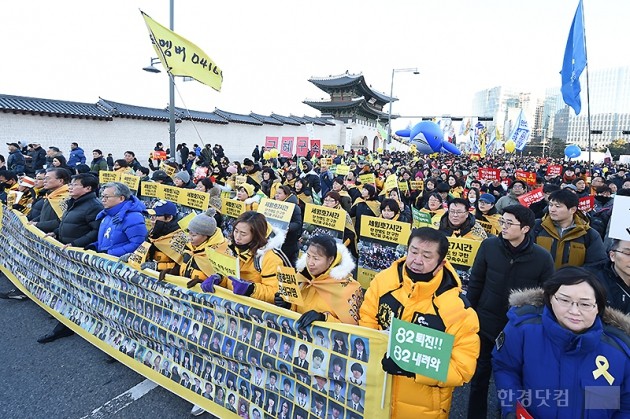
{"points": [[122, 229], [615, 275], [503, 263], [459, 222], [566, 234], [517, 189]]}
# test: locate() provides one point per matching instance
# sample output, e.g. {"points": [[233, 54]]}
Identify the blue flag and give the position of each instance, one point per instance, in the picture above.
{"points": [[574, 62]]}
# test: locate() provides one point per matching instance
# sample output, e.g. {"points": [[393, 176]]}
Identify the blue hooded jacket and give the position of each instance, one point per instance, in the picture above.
{"points": [[77, 156], [556, 373], [122, 229]]}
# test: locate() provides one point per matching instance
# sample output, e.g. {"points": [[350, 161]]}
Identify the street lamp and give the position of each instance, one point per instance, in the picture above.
{"points": [[391, 98], [171, 86]]}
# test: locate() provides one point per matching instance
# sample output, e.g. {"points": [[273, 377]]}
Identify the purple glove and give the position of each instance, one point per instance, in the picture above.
{"points": [[210, 282], [241, 287]]}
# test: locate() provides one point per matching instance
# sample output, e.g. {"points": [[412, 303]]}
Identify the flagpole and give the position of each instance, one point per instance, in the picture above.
{"points": [[588, 103]]}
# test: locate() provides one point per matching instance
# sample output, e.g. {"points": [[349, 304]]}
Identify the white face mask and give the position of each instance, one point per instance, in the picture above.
{"points": [[472, 200]]}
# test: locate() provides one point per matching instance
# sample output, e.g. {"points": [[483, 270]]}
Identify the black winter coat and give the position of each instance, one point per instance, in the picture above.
{"points": [[618, 293], [496, 272], [78, 226], [291, 245]]}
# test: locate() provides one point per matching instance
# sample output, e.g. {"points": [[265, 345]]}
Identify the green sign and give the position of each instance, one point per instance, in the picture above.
{"points": [[421, 218], [420, 349]]}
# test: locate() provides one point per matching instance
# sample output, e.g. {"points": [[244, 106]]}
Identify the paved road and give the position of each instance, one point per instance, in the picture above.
{"points": [[72, 379]]}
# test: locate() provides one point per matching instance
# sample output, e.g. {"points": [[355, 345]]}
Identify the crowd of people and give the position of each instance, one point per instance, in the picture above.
{"points": [[544, 305]]}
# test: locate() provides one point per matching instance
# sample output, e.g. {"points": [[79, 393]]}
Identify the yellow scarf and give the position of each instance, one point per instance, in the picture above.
{"points": [[58, 200]]}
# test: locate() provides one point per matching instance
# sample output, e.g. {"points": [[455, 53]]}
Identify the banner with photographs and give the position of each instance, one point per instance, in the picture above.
{"points": [[322, 220], [230, 354], [381, 242]]}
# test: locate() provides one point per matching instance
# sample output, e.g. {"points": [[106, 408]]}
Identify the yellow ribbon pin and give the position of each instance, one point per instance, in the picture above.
{"points": [[602, 369]]}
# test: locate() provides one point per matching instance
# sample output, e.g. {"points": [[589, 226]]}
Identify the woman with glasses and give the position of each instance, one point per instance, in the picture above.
{"points": [[563, 353], [486, 212], [435, 208]]}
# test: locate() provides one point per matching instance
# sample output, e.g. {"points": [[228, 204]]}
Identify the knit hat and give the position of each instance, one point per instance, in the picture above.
{"points": [[489, 198], [204, 223], [26, 181], [231, 170], [249, 189], [184, 176]]}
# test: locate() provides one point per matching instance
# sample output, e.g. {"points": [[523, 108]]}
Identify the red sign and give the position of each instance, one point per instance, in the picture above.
{"points": [[586, 203], [488, 173], [287, 147], [529, 198], [554, 170], [316, 147], [527, 177], [159, 155], [271, 142], [301, 146]]}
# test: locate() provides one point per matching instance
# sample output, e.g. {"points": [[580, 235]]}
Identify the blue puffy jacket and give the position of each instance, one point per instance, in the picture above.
{"points": [[556, 373], [77, 156], [122, 229]]}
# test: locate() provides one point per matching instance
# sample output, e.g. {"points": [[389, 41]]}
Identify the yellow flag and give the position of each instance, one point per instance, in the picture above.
{"points": [[181, 57]]}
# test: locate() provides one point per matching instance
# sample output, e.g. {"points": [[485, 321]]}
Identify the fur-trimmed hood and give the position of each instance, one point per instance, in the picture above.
{"points": [[341, 270], [534, 297], [274, 242]]}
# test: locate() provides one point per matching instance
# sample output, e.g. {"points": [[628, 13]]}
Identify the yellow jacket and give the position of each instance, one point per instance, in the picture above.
{"points": [[195, 264], [438, 300], [261, 268], [334, 292]]}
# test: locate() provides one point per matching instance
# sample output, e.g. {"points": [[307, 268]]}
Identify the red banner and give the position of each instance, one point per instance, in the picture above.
{"points": [[554, 170], [316, 147], [529, 198], [586, 203], [271, 142], [527, 177], [287, 146], [301, 146], [488, 173]]}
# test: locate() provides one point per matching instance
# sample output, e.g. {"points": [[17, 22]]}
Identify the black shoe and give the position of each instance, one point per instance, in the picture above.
{"points": [[14, 294], [54, 335]]}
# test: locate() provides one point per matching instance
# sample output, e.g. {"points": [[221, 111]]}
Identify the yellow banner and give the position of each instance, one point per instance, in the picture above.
{"points": [[223, 264], [386, 230], [329, 149], [325, 161], [462, 251], [288, 286], [141, 322], [232, 207], [368, 178], [149, 189], [403, 186], [132, 181], [194, 199], [182, 57], [170, 193], [139, 256], [391, 182], [106, 177], [170, 170], [332, 218], [489, 227], [278, 213], [381, 242], [342, 170], [416, 185]]}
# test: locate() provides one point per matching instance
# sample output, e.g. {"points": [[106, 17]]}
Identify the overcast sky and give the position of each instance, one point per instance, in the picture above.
{"points": [[81, 50]]}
